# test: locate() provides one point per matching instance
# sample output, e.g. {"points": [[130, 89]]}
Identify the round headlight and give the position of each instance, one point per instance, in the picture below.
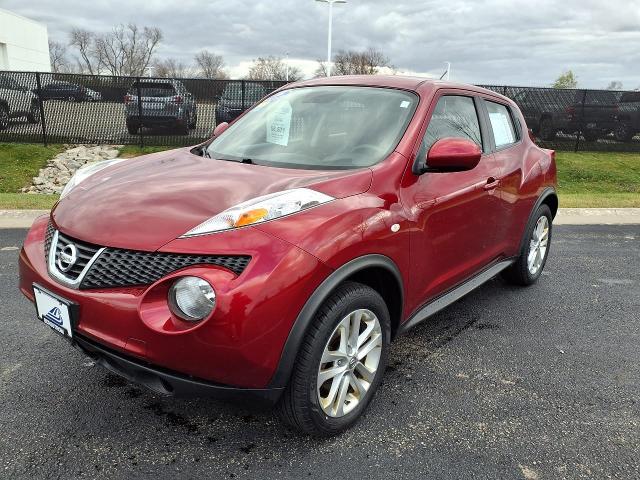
{"points": [[192, 298]]}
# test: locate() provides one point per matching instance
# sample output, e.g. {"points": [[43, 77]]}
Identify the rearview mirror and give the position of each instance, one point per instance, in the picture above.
{"points": [[221, 127], [453, 155]]}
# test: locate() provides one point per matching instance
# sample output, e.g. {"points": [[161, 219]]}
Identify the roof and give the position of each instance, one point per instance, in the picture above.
{"points": [[393, 81]]}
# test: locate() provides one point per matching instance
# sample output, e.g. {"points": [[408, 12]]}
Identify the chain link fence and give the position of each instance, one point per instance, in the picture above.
{"points": [[71, 108]]}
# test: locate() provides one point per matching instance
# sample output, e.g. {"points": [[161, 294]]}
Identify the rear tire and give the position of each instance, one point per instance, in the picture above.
{"points": [[534, 251], [623, 133], [330, 347]]}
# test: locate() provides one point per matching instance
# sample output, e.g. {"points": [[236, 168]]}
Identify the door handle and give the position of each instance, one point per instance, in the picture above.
{"points": [[491, 184]]}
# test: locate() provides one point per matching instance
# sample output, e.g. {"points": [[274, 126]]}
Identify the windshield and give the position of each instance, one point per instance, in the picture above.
{"points": [[319, 128]]}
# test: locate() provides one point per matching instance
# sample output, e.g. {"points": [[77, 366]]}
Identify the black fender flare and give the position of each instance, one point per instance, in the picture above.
{"points": [[307, 314], [546, 193]]}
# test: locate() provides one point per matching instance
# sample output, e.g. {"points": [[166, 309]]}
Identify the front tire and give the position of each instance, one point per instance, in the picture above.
{"points": [[340, 363], [535, 249], [34, 113]]}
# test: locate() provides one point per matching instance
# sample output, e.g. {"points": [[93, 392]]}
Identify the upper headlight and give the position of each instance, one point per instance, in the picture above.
{"points": [[261, 209], [85, 172]]}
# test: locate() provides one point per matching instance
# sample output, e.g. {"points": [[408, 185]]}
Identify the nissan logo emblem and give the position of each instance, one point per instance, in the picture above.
{"points": [[67, 258]]}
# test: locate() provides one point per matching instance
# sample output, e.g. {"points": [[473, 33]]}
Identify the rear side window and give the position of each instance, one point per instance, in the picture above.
{"points": [[504, 132], [454, 116]]}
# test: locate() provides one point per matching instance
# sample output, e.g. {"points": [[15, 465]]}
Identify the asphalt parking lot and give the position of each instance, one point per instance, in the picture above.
{"points": [[533, 383]]}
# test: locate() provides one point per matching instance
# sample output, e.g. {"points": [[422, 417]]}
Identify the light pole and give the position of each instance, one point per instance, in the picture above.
{"points": [[330, 2]]}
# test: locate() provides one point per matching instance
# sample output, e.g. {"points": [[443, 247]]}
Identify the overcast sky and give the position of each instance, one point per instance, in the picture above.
{"points": [[491, 41]]}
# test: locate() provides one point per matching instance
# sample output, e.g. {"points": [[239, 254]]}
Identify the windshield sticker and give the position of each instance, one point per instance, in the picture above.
{"points": [[279, 124], [405, 104]]}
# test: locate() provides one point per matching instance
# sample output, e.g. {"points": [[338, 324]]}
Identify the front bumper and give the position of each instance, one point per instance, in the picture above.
{"points": [[166, 382], [239, 346]]}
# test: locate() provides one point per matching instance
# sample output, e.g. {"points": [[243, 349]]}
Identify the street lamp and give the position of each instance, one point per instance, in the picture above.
{"points": [[330, 2]]}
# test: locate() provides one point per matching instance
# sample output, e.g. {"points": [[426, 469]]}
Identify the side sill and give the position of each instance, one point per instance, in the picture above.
{"points": [[454, 295]]}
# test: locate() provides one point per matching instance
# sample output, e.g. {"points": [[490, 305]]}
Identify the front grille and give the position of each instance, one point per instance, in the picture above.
{"points": [[84, 251], [48, 236], [115, 267], [126, 268]]}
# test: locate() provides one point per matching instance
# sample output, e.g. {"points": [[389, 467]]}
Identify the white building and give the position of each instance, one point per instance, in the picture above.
{"points": [[24, 44]]}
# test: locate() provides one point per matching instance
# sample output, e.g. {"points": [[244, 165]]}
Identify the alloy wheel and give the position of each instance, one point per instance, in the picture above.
{"points": [[349, 363], [538, 245]]}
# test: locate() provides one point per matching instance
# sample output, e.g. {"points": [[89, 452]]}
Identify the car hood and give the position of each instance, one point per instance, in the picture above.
{"points": [[146, 202]]}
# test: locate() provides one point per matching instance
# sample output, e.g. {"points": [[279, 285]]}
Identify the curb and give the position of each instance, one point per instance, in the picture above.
{"points": [[597, 216], [19, 218], [566, 216]]}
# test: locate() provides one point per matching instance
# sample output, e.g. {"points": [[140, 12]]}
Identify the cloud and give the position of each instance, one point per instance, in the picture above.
{"points": [[489, 41]]}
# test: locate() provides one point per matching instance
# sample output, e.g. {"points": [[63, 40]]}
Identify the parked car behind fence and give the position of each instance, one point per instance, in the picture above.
{"points": [[16, 101], [160, 103]]}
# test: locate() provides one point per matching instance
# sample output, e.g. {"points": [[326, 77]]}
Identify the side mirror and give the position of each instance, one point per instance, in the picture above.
{"points": [[221, 127], [453, 155]]}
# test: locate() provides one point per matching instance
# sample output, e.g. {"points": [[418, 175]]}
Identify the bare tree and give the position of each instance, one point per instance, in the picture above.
{"points": [[614, 85], [126, 50], [273, 68], [171, 68], [58, 57], [355, 63], [210, 65], [88, 58]]}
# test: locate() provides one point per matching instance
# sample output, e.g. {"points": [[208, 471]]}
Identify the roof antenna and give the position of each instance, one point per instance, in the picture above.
{"points": [[447, 72]]}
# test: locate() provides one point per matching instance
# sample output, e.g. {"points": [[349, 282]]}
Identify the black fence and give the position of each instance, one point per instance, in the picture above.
{"points": [[72, 108]]}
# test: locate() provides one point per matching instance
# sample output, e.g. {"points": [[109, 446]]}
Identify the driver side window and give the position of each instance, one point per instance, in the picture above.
{"points": [[454, 116]]}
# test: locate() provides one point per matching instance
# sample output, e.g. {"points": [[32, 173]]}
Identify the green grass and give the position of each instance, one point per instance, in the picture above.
{"points": [[602, 172], [598, 179], [27, 201], [129, 151], [19, 163]]}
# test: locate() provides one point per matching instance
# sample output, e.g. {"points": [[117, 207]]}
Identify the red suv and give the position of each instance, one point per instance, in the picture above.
{"points": [[280, 259]]}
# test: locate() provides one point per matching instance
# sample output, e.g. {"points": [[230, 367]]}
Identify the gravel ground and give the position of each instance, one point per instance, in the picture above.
{"points": [[532, 383]]}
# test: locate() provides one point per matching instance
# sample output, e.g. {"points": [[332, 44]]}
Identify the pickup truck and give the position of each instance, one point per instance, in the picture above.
{"points": [[628, 118], [16, 101], [549, 111]]}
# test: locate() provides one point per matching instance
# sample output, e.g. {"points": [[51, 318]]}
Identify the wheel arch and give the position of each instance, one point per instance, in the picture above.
{"points": [[376, 271], [548, 197]]}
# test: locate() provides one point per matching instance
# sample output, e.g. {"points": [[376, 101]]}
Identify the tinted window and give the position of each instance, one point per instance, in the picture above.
{"points": [[454, 116], [504, 132]]}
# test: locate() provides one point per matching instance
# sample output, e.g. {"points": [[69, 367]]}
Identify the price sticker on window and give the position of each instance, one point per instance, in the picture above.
{"points": [[279, 124]]}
